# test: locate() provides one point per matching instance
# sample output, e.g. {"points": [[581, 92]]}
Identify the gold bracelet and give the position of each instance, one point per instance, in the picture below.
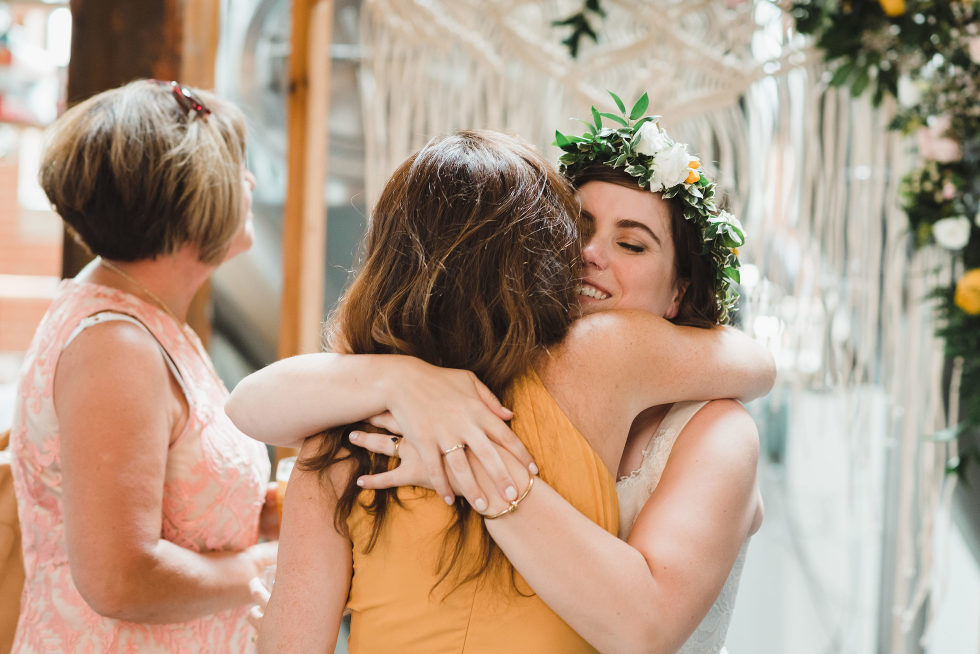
{"points": [[513, 505]]}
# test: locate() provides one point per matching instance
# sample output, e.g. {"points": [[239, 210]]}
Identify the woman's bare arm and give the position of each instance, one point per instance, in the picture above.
{"points": [[314, 568], [115, 400], [435, 408], [650, 593], [659, 362]]}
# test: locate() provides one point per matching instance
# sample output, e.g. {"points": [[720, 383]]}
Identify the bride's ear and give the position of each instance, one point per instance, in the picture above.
{"points": [[680, 288]]}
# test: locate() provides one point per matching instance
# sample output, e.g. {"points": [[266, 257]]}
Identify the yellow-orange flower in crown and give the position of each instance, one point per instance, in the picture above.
{"points": [[893, 7], [967, 295]]}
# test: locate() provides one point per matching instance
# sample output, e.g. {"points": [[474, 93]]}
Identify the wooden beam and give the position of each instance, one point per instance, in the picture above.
{"points": [[305, 215], [201, 23]]}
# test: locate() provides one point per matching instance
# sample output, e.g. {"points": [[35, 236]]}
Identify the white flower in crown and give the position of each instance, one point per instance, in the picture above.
{"points": [[671, 167], [724, 216], [652, 139], [952, 233]]}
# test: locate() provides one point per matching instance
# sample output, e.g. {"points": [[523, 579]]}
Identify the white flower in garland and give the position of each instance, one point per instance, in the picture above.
{"points": [[651, 139], [671, 167], [952, 233]]}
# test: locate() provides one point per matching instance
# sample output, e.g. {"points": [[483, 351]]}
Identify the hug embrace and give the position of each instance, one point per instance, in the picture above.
{"points": [[525, 436], [516, 340]]}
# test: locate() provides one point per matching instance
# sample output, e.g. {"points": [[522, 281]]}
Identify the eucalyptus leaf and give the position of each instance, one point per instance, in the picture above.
{"points": [[640, 107], [619, 103], [618, 119], [841, 74], [638, 124]]}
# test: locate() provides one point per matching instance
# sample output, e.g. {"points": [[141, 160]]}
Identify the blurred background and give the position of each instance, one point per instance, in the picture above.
{"points": [[846, 135]]}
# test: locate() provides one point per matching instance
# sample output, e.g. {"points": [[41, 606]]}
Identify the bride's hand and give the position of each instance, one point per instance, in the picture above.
{"points": [[443, 412], [410, 471]]}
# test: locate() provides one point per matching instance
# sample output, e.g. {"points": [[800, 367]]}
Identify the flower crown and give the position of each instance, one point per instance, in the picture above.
{"points": [[643, 150]]}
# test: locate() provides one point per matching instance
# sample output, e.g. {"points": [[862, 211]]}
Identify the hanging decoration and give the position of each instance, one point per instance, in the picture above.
{"points": [[581, 24], [926, 54]]}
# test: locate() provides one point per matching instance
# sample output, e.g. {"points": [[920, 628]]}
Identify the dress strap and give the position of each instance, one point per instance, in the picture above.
{"points": [[108, 316]]}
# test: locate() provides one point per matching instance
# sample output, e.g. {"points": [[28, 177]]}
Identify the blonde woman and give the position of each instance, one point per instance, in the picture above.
{"points": [[140, 502]]}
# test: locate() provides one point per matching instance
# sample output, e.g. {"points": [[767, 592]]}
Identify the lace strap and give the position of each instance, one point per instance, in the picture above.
{"points": [[108, 316], [656, 453]]}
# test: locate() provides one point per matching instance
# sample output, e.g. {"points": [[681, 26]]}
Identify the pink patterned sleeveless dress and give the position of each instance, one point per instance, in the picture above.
{"points": [[213, 490]]}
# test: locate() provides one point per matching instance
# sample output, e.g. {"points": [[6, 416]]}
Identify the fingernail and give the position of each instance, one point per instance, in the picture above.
{"points": [[353, 435], [448, 499], [480, 505], [511, 493], [533, 468], [360, 481]]}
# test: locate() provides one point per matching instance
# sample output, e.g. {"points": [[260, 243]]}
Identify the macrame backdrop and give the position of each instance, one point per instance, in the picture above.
{"points": [[812, 173]]}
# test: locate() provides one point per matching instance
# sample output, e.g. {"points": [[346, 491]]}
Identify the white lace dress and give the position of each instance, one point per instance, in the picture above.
{"points": [[634, 490]]}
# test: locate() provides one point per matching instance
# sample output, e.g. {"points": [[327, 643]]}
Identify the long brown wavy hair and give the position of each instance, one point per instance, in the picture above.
{"points": [[470, 261]]}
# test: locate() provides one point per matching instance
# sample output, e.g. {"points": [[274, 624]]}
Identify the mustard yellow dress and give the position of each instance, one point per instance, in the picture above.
{"points": [[396, 605]]}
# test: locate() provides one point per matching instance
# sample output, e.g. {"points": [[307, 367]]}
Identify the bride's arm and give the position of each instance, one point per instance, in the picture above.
{"points": [[657, 362], [435, 408], [314, 567], [650, 593]]}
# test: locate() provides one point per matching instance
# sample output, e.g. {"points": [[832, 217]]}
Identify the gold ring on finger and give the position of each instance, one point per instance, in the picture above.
{"points": [[459, 446], [397, 441]]}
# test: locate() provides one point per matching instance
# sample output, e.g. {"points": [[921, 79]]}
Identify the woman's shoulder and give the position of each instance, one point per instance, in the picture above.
{"points": [[721, 433], [107, 353]]}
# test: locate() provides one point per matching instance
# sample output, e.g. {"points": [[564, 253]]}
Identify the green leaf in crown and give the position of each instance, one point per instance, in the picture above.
{"points": [[639, 146]]}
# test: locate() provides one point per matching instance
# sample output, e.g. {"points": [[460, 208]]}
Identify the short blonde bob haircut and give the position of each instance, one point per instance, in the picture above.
{"points": [[135, 175]]}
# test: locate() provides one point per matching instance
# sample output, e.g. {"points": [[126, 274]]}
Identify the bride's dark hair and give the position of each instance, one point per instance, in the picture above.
{"points": [[470, 261]]}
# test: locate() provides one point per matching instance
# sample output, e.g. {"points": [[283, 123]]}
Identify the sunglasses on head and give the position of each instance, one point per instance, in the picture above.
{"points": [[187, 100]]}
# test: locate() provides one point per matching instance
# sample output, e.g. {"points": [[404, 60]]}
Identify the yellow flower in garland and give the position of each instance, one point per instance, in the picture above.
{"points": [[693, 175], [893, 7], [967, 295]]}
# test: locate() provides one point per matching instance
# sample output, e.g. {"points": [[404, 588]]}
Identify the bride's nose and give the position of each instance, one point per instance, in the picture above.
{"points": [[593, 254]]}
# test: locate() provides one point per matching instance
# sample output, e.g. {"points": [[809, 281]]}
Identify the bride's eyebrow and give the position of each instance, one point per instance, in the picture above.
{"points": [[626, 223]]}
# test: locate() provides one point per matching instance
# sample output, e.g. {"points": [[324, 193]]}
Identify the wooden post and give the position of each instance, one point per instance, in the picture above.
{"points": [[201, 22], [304, 225], [305, 217]]}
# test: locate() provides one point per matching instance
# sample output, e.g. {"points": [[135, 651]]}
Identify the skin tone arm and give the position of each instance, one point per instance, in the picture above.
{"points": [[287, 398], [116, 428], [314, 569], [634, 360], [293, 398], [650, 593]]}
